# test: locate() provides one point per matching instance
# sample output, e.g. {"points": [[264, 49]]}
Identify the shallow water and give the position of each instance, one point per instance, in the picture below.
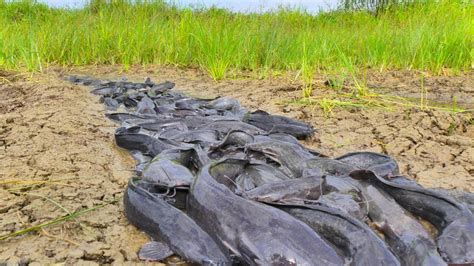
{"points": [[312, 6]]}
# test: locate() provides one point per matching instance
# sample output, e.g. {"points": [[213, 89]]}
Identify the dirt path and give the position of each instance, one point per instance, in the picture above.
{"points": [[56, 143]]}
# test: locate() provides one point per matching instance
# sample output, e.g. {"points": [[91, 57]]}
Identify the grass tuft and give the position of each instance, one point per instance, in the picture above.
{"points": [[432, 36], [70, 216]]}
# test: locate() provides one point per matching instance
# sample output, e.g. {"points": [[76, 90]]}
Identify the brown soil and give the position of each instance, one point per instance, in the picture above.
{"points": [[54, 132]]}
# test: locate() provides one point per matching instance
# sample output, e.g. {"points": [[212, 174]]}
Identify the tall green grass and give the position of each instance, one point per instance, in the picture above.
{"points": [[431, 36]]}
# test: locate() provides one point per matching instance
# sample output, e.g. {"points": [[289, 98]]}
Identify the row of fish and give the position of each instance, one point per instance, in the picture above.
{"points": [[219, 185]]}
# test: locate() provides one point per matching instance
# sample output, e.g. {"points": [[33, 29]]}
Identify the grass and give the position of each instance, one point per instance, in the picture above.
{"points": [[14, 185], [432, 37], [70, 216], [330, 102]]}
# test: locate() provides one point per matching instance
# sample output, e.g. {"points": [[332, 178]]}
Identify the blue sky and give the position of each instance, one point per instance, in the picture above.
{"points": [[235, 5]]}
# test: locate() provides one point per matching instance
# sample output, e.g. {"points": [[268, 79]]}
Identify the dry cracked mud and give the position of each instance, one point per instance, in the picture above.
{"points": [[57, 153]]}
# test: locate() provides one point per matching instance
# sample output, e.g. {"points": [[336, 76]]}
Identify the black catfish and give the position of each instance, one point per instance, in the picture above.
{"points": [[355, 239], [409, 240], [205, 137], [132, 139], [383, 165], [225, 104], [293, 190], [163, 222], [167, 173], [121, 117], [454, 221], [279, 124], [466, 198], [140, 159], [146, 106], [329, 166], [256, 174], [234, 138], [160, 88], [158, 126], [192, 158], [348, 203], [292, 157], [224, 126], [257, 233], [190, 103]]}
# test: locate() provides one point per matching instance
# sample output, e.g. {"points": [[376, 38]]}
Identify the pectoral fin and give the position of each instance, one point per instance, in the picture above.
{"points": [[154, 251]]}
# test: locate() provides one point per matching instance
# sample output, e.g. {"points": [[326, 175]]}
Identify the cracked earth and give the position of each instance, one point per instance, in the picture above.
{"points": [[57, 152]]}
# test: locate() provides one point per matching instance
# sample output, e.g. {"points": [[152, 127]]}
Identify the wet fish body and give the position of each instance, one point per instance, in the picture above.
{"points": [[293, 190], [239, 224], [279, 124], [131, 139], [356, 240], [408, 239], [454, 221], [168, 224]]}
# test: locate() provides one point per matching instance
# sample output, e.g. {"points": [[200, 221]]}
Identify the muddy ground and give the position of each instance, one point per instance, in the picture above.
{"points": [[57, 149]]}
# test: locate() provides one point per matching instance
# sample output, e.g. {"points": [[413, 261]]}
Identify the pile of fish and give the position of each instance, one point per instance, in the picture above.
{"points": [[219, 185]]}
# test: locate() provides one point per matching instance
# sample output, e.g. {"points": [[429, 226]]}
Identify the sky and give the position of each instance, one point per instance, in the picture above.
{"points": [[312, 6]]}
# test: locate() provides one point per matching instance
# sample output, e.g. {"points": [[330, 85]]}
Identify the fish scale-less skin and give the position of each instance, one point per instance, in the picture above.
{"points": [[403, 233], [235, 138], [129, 139], [279, 124], [162, 221], [466, 198], [257, 233], [454, 221], [168, 173], [169, 118], [330, 166], [456, 242], [261, 174], [291, 156], [298, 189], [381, 164], [355, 239], [204, 137], [225, 126]]}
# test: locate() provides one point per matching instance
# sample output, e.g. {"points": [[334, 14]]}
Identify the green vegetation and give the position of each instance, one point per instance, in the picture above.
{"points": [[68, 217], [431, 36]]}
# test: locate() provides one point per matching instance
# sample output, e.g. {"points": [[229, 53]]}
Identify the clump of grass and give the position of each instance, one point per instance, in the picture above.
{"points": [[70, 216], [451, 129], [428, 36], [328, 105], [369, 99]]}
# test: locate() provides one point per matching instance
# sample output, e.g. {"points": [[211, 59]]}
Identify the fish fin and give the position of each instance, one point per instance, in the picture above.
{"points": [[260, 112], [154, 251]]}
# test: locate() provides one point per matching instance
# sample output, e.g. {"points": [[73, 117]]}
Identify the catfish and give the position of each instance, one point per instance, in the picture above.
{"points": [[291, 157], [163, 222], [256, 233], [293, 190], [453, 220], [279, 124], [359, 244], [409, 240], [132, 139]]}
